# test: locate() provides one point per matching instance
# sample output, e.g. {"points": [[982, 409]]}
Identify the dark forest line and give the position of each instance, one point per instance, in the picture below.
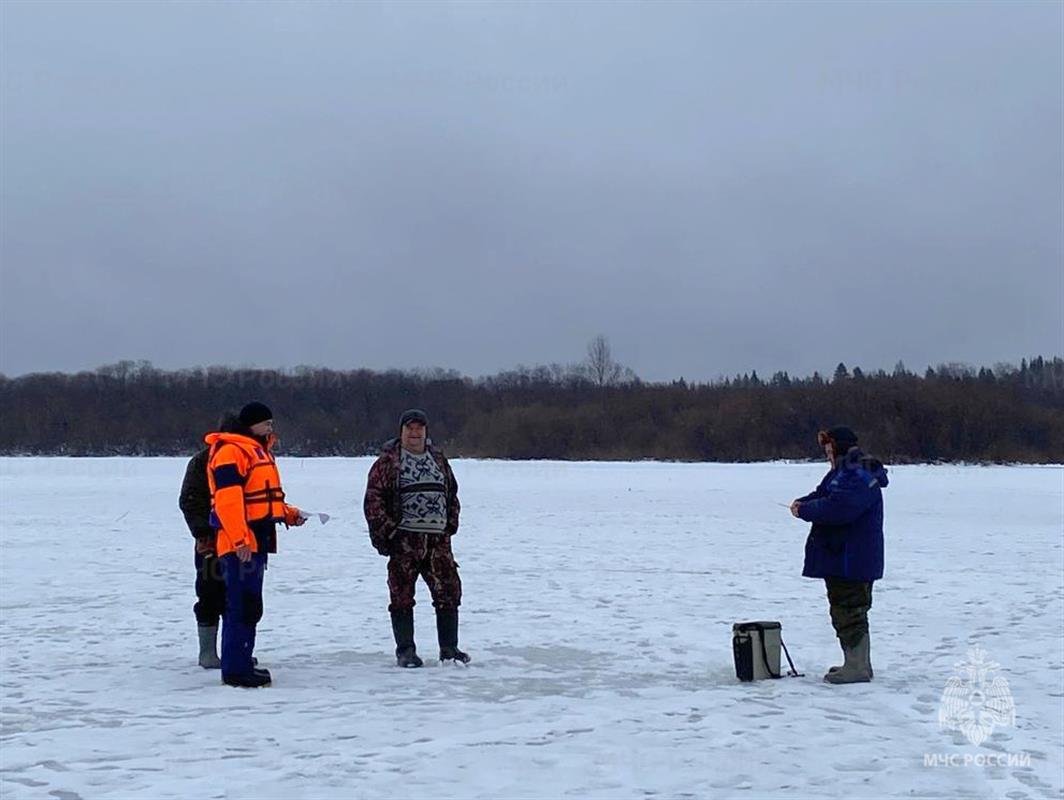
{"points": [[951, 413]]}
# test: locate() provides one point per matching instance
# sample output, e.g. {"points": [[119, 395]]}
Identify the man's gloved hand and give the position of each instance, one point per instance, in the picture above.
{"points": [[385, 542]]}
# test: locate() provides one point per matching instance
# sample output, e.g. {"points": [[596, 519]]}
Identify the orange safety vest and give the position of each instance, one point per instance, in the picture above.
{"points": [[246, 494]]}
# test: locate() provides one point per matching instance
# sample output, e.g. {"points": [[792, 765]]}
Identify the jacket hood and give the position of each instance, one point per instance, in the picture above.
{"points": [[238, 439], [855, 459]]}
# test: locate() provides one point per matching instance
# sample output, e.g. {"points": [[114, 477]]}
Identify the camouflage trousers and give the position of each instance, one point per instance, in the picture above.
{"points": [[427, 555], [850, 601]]}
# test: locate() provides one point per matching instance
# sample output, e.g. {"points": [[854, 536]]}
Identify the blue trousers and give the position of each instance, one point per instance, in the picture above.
{"points": [[243, 610]]}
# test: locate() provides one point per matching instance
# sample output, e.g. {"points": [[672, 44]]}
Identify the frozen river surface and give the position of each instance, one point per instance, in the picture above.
{"points": [[598, 607]]}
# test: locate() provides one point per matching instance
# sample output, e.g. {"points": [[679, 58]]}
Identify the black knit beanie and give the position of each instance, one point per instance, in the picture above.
{"points": [[254, 413]]}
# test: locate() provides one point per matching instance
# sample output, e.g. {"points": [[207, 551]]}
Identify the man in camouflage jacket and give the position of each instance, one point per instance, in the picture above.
{"points": [[411, 506]]}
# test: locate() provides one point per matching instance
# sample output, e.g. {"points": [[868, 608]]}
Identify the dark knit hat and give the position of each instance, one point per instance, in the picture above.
{"points": [[414, 415], [840, 436], [254, 413]]}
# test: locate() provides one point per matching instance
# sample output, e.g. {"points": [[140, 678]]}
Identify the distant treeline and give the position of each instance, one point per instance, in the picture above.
{"points": [[954, 412]]}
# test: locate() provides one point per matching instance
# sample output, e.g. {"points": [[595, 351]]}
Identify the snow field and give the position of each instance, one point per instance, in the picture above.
{"points": [[599, 599]]}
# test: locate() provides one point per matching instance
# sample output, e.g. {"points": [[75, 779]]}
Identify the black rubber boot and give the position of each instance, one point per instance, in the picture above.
{"points": [[447, 633], [403, 630], [253, 680]]}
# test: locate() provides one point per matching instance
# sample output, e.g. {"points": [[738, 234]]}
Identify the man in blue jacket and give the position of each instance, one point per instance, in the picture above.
{"points": [[845, 545]]}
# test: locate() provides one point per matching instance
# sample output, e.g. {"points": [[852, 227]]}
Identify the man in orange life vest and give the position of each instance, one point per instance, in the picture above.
{"points": [[247, 502]]}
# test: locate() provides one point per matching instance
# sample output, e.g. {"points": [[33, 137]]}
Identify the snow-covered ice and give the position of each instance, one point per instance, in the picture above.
{"points": [[598, 607]]}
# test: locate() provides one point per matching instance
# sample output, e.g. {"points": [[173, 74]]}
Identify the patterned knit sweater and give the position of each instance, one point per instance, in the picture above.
{"points": [[422, 492]]}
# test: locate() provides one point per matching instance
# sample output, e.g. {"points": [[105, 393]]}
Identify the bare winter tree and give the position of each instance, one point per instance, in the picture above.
{"points": [[601, 368]]}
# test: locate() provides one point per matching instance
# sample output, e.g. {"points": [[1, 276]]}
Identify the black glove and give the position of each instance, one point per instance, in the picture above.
{"points": [[384, 541]]}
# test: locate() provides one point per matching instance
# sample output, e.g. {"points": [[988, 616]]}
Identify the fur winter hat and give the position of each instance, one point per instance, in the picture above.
{"points": [[841, 437]]}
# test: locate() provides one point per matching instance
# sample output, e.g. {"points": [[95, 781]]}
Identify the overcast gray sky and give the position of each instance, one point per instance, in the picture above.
{"points": [[715, 187]]}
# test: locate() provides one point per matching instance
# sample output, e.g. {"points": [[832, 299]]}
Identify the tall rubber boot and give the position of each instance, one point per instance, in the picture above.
{"points": [[857, 667], [403, 630], [208, 647], [447, 633], [871, 672]]}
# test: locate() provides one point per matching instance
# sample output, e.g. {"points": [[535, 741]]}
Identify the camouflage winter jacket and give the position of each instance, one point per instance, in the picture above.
{"points": [[382, 504]]}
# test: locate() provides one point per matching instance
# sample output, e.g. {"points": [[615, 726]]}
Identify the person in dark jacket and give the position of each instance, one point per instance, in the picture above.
{"points": [[411, 507], [845, 545], [195, 503]]}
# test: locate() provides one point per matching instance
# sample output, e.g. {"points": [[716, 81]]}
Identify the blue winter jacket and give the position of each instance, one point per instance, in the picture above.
{"points": [[846, 510]]}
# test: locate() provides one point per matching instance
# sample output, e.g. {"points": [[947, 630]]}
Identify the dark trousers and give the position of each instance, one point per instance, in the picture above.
{"points": [[850, 601], [210, 590], [243, 610], [427, 555]]}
